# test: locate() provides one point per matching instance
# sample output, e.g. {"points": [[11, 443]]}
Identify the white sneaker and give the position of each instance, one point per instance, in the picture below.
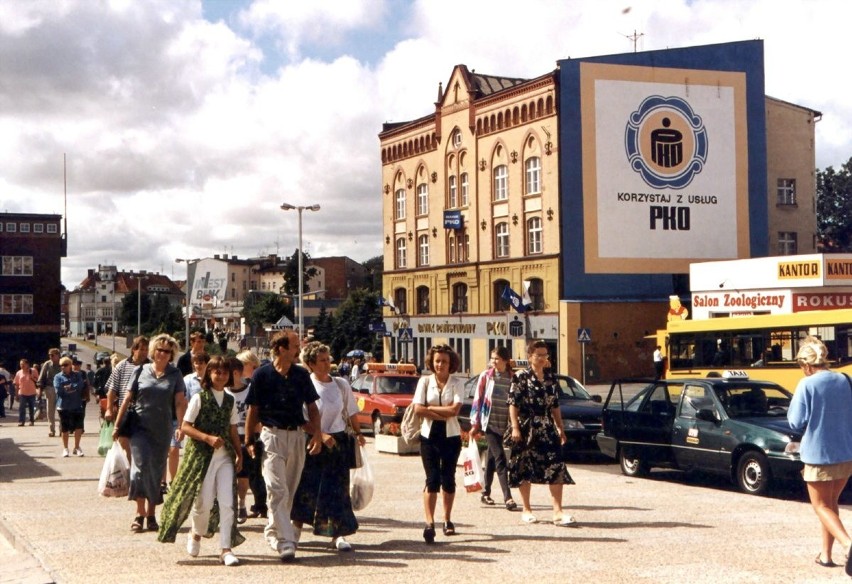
{"points": [[78, 452], [193, 546], [229, 559], [64, 453], [342, 545], [287, 551], [273, 543]]}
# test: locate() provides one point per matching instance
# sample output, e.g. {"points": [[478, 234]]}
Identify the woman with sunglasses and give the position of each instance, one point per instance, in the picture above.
{"points": [[157, 389]]}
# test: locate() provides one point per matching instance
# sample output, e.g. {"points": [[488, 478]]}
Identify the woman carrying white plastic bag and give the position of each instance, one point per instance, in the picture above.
{"points": [[361, 483]]}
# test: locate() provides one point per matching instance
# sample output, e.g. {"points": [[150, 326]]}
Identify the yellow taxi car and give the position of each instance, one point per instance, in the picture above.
{"points": [[383, 392]]}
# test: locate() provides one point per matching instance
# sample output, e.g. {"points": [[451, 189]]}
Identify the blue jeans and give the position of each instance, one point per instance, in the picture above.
{"points": [[26, 401]]}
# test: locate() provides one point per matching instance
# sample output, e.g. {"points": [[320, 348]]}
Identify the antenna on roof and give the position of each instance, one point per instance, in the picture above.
{"points": [[633, 37]]}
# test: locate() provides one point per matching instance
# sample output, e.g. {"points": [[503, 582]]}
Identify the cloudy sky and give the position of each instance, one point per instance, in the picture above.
{"points": [[186, 123]]}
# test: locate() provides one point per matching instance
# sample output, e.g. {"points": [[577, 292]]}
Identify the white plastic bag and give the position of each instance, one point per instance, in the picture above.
{"points": [[472, 466], [115, 475], [361, 483]]}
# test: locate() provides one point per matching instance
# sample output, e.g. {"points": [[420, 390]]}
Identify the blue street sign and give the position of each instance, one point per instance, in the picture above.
{"points": [[405, 335], [584, 335]]}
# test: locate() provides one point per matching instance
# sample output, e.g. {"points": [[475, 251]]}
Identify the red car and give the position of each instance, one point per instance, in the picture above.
{"points": [[383, 392]]}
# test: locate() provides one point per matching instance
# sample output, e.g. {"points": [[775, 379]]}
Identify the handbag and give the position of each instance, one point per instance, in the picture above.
{"points": [[130, 422], [353, 450], [411, 422]]}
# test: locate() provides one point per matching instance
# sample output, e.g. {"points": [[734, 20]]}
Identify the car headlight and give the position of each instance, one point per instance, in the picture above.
{"points": [[573, 425], [394, 410], [792, 448]]}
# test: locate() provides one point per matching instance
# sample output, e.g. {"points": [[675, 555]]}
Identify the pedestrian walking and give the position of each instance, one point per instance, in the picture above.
{"points": [[439, 398], [25, 382], [69, 386], [537, 435], [821, 408], [49, 370], [278, 393], [489, 413], [243, 367], [208, 470], [118, 384]]}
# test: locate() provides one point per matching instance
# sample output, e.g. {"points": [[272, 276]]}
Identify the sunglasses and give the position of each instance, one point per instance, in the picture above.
{"points": [[162, 350]]}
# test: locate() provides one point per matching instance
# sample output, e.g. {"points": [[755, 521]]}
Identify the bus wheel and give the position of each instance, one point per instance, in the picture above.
{"points": [[753, 475], [632, 465]]}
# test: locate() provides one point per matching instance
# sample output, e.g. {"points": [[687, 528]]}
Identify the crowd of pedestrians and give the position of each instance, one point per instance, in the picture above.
{"points": [[281, 430]]}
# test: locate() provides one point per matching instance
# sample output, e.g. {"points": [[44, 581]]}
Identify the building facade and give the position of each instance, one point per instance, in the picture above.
{"points": [[471, 213], [587, 191], [31, 250]]}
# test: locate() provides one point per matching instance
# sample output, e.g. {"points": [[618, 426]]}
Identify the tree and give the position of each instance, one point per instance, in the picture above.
{"points": [[129, 306], [291, 273], [375, 267], [324, 326], [834, 208], [164, 317], [352, 324], [260, 309]]}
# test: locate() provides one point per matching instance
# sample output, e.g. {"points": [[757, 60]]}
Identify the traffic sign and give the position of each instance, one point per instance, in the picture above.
{"points": [[584, 335], [405, 335]]}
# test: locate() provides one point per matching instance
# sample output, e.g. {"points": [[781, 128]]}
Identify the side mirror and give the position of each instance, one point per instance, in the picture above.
{"points": [[597, 399], [706, 414]]}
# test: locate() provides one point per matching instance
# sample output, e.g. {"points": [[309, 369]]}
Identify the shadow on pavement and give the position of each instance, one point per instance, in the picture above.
{"points": [[15, 464]]}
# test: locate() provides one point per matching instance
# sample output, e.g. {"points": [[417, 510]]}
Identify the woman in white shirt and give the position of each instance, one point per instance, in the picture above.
{"points": [[439, 399]]}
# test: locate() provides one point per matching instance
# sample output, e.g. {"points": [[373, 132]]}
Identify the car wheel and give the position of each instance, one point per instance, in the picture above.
{"points": [[377, 425], [753, 476], [632, 465]]}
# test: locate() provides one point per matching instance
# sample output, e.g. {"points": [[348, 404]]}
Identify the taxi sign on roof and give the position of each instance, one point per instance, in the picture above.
{"points": [[406, 368], [734, 374]]}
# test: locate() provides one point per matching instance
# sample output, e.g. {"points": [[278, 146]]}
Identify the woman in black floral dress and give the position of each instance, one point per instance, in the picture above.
{"points": [[537, 435]]}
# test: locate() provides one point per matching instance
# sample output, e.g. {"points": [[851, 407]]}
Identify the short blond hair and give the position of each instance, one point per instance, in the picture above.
{"points": [[66, 361], [248, 358], [311, 351], [165, 341], [813, 352]]}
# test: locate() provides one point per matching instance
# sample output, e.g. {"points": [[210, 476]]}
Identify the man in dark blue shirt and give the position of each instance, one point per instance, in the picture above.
{"points": [[275, 399]]}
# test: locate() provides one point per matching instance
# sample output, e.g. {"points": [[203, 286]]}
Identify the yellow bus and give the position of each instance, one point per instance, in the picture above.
{"points": [[763, 347]]}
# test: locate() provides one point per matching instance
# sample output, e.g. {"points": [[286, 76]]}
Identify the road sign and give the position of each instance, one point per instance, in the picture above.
{"points": [[405, 335], [378, 327], [584, 335]]}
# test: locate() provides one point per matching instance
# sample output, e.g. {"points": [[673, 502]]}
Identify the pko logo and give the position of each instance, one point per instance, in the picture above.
{"points": [[666, 142]]}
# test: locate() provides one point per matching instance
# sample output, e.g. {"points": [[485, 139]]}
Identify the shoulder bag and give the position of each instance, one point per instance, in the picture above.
{"points": [[411, 421], [130, 422]]}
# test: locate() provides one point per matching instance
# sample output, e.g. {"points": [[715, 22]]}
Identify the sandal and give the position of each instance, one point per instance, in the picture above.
{"points": [[511, 505], [152, 523], [828, 564], [449, 528], [138, 524], [486, 500]]}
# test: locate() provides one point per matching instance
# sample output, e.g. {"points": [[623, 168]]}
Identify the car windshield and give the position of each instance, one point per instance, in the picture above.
{"points": [[570, 389], [750, 401], [403, 385]]}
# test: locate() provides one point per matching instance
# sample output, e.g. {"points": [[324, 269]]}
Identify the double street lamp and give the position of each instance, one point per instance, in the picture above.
{"points": [[300, 208], [187, 307]]}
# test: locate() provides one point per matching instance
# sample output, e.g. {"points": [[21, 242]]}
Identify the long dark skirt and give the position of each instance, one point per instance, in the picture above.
{"points": [[322, 499]]}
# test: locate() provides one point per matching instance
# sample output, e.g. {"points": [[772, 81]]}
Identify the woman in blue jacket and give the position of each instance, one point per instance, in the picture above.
{"points": [[822, 408]]}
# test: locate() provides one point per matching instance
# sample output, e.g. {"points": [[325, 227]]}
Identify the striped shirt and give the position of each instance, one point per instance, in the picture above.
{"points": [[120, 378]]}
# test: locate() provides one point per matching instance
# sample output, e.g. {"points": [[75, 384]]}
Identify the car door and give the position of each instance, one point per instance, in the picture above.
{"points": [[647, 430], [699, 443]]}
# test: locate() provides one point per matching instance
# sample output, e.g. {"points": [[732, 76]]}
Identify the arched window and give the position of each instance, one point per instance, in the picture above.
{"points": [[536, 294], [423, 250], [501, 182], [501, 240], [400, 203], [459, 298], [533, 175], [534, 233], [422, 199], [499, 303], [465, 197], [423, 300], [400, 253], [400, 299], [451, 247], [453, 201]]}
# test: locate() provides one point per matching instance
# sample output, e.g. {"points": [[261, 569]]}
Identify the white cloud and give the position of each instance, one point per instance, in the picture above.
{"points": [[182, 141]]}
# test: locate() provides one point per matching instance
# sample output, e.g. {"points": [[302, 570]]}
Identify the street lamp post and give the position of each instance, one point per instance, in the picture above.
{"points": [[139, 304], [186, 308], [300, 208]]}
